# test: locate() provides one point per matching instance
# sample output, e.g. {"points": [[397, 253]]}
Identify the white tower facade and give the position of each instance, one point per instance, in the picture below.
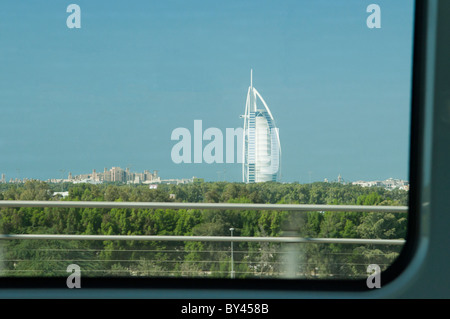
{"points": [[261, 145]]}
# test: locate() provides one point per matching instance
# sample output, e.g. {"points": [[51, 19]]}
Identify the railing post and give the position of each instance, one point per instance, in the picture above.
{"points": [[290, 256], [232, 255]]}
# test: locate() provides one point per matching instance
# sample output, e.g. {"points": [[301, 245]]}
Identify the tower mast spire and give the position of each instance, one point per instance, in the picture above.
{"points": [[252, 94]]}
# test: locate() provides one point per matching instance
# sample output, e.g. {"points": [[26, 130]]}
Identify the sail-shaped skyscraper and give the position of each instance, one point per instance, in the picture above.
{"points": [[261, 145]]}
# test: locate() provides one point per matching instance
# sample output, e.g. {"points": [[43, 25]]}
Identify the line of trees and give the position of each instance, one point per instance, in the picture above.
{"points": [[125, 258]]}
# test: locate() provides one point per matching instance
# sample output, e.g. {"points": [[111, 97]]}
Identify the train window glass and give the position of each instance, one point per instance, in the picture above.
{"points": [[232, 139]]}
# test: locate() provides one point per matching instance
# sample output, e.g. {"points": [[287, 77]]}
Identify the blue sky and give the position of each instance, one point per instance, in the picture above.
{"points": [[111, 93]]}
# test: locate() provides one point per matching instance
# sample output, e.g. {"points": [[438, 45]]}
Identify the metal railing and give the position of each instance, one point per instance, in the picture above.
{"points": [[211, 238], [290, 264], [221, 206], [210, 206]]}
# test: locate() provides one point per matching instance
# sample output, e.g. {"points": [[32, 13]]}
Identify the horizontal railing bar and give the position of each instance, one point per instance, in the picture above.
{"points": [[222, 206], [249, 263], [208, 238]]}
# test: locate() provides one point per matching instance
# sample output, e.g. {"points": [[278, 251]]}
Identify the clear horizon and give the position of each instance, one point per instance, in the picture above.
{"points": [[331, 179]]}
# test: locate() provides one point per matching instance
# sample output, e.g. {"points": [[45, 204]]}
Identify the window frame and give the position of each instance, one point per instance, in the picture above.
{"points": [[213, 288]]}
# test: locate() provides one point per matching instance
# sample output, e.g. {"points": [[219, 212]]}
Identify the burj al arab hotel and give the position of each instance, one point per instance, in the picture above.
{"points": [[261, 145]]}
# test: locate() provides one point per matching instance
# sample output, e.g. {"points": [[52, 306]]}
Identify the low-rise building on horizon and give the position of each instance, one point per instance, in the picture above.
{"points": [[390, 183], [115, 174]]}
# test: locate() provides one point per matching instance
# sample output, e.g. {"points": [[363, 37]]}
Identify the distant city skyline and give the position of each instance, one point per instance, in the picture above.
{"points": [[118, 174], [111, 92]]}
